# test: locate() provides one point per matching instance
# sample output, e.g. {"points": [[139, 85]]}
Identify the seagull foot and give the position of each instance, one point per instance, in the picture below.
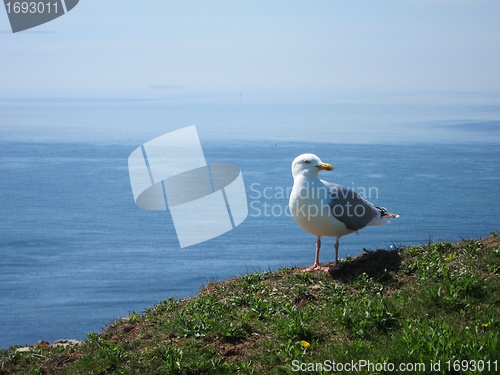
{"points": [[316, 267]]}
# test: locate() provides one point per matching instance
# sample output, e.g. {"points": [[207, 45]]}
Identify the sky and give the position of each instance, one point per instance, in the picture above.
{"points": [[106, 47]]}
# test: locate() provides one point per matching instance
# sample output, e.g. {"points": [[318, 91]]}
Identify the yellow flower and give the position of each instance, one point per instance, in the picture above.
{"points": [[484, 325], [304, 344]]}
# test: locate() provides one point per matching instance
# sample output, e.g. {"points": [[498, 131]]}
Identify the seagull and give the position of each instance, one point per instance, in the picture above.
{"points": [[326, 209]]}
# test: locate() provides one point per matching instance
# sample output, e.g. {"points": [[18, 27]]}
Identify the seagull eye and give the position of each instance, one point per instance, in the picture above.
{"points": [[307, 162]]}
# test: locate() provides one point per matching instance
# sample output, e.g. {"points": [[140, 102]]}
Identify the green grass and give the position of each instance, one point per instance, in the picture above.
{"points": [[437, 304]]}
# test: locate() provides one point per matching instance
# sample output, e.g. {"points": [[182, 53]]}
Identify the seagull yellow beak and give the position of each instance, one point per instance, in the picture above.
{"points": [[324, 167]]}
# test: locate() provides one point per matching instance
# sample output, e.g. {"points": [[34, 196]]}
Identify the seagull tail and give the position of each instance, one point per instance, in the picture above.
{"points": [[383, 218], [386, 215], [389, 216]]}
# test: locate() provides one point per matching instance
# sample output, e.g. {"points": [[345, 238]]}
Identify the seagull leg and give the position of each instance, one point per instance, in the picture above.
{"points": [[318, 247], [336, 254], [316, 265]]}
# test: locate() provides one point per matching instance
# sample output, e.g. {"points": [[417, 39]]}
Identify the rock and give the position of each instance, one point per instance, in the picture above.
{"points": [[44, 345], [26, 349], [65, 343]]}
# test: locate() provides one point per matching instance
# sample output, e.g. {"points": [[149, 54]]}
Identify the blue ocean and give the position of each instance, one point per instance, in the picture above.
{"points": [[76, 253]]}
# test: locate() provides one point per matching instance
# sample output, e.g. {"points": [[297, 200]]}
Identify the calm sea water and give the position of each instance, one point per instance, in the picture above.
{"points": [[76, 253]]}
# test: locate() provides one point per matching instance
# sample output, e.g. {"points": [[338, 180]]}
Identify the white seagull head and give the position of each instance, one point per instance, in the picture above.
{"points": [[308, 165]]}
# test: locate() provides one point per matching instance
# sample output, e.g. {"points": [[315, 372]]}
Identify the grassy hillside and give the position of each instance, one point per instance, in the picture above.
{"points": [[436, 306]]}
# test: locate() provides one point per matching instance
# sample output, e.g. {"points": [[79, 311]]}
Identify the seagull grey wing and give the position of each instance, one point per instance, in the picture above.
{"points": [[349, 207]]}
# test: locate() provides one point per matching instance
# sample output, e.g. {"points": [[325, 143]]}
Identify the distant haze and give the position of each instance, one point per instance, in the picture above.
{"points": [[157, 46]]}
